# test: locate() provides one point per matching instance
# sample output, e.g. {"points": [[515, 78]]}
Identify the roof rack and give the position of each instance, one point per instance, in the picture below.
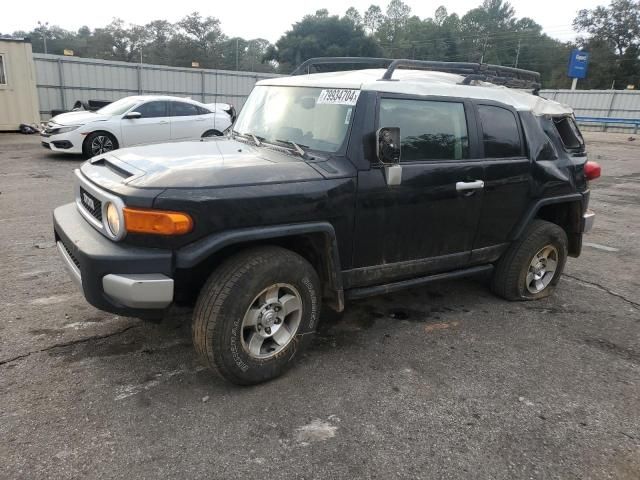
{"points": [[496, 74]]}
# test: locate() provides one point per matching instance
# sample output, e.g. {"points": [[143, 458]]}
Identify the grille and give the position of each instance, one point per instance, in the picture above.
{"points": [[91, 204], [73, 257]]}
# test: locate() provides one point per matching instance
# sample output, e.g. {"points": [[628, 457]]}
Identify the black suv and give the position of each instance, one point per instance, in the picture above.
{"points": [[333, 186]]}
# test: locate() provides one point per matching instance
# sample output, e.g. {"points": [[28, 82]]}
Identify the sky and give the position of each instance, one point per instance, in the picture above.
{"points": [[261, 18]]}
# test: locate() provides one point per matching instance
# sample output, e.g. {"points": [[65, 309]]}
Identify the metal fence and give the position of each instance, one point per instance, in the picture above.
{"points": [[600, 103], [61, 81]]}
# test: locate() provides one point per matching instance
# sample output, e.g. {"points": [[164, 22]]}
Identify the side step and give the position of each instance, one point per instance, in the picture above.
{"points": [[363, 292]]}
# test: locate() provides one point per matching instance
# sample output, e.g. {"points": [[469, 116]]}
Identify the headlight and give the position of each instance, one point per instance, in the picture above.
{"points": [[113, 219], [66, 129]]}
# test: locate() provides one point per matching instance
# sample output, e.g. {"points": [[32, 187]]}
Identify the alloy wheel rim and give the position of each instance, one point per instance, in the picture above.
{"points": [[542, 269], [271, 321], [101, 144]]}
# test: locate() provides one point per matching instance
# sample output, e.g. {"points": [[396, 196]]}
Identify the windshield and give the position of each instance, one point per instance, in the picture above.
{"points": [[314, 118], [118, 107]]}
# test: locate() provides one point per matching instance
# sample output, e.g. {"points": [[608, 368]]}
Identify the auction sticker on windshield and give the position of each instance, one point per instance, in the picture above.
{"points": [[338, 96]]}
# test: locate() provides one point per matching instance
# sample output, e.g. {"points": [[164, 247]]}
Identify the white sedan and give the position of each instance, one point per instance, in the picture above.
{"points": [[135, 121]]}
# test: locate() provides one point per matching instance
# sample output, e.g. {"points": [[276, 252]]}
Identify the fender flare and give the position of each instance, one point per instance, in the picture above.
{"points": [[519, 229], [198, 251]]}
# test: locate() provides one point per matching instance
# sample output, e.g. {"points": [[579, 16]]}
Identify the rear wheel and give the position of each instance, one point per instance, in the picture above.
{"points": [[255, 314], [532, 266], [211, 133], [98, 143]]}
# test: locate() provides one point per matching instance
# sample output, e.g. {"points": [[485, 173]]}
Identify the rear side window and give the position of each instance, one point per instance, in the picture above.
{"points": [[501, 136], [428, 130], [569, 133], [152, 109], [181, 109], [203, 111]]}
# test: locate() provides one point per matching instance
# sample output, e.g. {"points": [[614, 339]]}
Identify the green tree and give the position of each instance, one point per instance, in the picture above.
{"points": [[613, 38], [354, 15], [321, 35], [373, 17], [617, 24]]}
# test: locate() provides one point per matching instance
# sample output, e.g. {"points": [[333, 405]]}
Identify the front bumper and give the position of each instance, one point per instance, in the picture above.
{"points": [[70, 142], [114, 277]]}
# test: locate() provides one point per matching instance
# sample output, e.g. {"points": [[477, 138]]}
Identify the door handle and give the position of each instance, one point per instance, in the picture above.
{"points": [[164, 122], [200, 119], [465, 186]]}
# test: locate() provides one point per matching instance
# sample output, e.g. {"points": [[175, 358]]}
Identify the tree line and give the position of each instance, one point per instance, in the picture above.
{"points": [[490, 33]]}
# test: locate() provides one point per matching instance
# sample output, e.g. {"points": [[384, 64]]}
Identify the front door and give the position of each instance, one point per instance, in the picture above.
{"points": [[428, 222], [152, 127]]}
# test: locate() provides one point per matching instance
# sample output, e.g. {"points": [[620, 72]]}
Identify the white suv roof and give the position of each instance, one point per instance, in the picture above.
{"points": [[420, 82]]}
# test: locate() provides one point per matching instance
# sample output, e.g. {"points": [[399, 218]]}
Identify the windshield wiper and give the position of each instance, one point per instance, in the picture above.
{"points": [[297, 148], [257, 139]]}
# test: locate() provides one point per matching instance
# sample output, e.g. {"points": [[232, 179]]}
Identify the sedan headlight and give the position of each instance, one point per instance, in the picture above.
{"points": [[68, 129], [113, 219]]}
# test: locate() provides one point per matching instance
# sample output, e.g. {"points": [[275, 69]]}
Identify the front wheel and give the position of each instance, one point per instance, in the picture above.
{"points": [[531, 267], [98, 143], [255, 314]]}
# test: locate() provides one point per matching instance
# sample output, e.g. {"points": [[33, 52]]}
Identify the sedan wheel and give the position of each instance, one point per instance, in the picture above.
{"points": [[101, 144]]}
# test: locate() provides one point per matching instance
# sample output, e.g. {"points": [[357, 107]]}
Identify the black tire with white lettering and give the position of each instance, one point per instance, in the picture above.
{"points": [[255, 313]]}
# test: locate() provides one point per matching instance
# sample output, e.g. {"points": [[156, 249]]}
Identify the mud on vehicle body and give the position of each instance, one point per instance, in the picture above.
{"points": [[333, 186]]}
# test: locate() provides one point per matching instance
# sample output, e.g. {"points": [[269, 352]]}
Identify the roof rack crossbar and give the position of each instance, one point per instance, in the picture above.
{"points": [[305, 67], [472, 71], [497, 74]]}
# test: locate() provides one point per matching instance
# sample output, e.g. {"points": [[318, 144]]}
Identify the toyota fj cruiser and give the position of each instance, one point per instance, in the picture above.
{"points": [[333, 186]]}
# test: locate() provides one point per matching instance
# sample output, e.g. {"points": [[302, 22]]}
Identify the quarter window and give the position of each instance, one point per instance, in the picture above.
{"points": [[429, 130], [181, 109], [3, 71], [153, 109], [501, 135]]}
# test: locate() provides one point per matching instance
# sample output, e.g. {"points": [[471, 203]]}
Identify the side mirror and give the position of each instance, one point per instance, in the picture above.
{"points": [[388, 152], [133, 115]]}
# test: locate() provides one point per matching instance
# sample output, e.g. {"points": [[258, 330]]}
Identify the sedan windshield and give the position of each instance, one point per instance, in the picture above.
{"points": [[312, 118], [118, 107]]}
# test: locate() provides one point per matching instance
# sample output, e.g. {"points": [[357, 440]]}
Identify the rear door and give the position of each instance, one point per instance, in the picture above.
{"points": [[428, 222], [507, 177], [188, 121], [152, 127]]}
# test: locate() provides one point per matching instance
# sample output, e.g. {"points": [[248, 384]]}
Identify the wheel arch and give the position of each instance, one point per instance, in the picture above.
{"points": [[565, 211], [316, 242], [215, 131]]}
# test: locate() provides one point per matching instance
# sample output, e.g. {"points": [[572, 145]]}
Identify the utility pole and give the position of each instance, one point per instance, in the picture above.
{"points": [[43, 31], [518, 53], [237, 41], [484, 48]]}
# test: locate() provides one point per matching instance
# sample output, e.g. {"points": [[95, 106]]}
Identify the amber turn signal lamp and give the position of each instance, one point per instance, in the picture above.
{"points": [[156, 222]]}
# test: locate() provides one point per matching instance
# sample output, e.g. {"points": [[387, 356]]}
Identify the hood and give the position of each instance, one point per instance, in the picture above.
{"points": [[222, 162], [78, 118]]}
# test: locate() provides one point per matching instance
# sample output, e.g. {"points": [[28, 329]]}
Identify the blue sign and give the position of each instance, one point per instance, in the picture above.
{"points": [[578, 64]]}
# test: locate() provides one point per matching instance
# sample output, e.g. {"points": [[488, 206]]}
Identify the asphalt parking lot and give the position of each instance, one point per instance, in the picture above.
{"points": [[446, 381]]}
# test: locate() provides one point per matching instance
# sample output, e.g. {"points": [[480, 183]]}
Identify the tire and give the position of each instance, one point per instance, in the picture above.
{"points": [[518, 277], [90, 144], [235, 328], [212, 133]]}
